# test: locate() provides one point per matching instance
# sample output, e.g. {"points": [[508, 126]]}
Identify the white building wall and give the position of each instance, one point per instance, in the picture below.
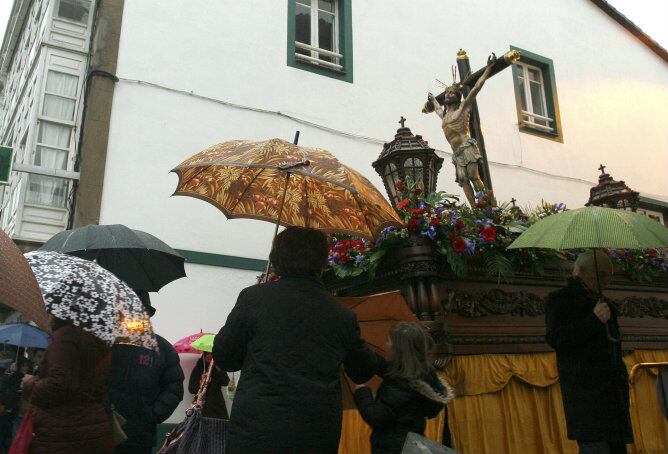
{"points": [[195, 63]]}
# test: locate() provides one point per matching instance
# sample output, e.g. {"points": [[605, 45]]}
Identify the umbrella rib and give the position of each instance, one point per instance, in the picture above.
{"points": [[307, 217], [368, 226], [246, 189]]}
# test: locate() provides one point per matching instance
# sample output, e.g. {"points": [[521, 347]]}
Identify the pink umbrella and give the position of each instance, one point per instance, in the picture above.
{"points": [[183, 345]]}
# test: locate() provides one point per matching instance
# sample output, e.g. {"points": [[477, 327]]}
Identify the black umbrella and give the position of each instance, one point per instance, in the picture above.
{"points": [[139, 259]]}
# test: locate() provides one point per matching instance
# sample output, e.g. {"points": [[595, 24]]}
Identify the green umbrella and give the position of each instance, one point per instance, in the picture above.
{"points": [[594, 227], [204, 343]]}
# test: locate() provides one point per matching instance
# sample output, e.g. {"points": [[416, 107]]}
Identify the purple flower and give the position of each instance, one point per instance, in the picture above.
{"points": [[359, 259], [479, 195], [439, 210], [453, 216], [559, 207], [430, 232], [470, 245], [421, 205]]}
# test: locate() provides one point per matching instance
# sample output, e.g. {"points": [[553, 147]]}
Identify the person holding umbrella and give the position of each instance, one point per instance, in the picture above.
{"points": [[90, 309], [593, 377]]}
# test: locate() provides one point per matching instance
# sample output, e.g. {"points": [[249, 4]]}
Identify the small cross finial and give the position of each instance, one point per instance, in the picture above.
{"points": [[602, 169], [402, 121], [513, 201]]}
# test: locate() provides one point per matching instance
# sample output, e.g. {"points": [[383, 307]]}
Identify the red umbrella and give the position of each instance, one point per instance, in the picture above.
{"points": [[18, 286]]}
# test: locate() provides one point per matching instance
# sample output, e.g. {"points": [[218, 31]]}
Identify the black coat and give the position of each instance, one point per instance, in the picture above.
{"points": [[214, 401], [593, 378], [146, 387], [289, 338], [401, 406]]}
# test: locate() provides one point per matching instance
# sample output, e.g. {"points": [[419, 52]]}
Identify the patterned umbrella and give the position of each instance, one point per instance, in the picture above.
{"points": [[18, 287], [281, 182], [183, 345], [92, 298]]}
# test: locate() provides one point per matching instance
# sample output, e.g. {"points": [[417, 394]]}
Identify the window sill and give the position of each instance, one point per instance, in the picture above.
{"points": [[556, 136], [321, 70]]}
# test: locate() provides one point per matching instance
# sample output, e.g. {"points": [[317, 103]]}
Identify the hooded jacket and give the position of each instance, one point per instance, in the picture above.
{"points": [[401, 406]]}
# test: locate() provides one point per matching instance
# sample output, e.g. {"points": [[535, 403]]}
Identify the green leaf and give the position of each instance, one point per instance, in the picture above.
{"points": [[456, 261], [497, 265]]}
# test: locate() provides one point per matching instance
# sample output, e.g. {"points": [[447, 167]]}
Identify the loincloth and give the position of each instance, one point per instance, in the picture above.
{"points": [[467, 153]]}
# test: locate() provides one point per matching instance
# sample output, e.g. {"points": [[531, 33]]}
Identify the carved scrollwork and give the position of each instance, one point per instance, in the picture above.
{"points": [[494, 302], [634, 306]]}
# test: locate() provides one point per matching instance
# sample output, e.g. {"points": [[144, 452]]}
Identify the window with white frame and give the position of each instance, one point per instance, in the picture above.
{"points": [[74, 10], [317, 33], [536, 95], [52, 151], [60, 96], [532, 94]]}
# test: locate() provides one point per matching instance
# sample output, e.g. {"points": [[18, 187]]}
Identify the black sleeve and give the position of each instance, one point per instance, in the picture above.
{"points": [[231, 342], [171, 383], [361, 363], [195, 377], [563, 332], [375, 413]]}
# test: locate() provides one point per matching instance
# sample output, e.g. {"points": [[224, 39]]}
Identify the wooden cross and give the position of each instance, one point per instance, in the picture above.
{"points": [[402, 121], [513, 201], [602, 169]]}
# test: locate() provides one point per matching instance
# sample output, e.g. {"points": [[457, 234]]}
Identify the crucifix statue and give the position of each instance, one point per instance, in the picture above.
{"points": [[461, 123]]}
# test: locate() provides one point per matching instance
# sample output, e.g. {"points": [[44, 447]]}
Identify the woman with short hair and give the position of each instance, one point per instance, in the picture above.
{"points": [[290, 338]]}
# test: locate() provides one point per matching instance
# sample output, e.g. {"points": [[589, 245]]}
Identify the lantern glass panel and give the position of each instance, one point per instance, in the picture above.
{"points": [[414, 168], [391, 177]]}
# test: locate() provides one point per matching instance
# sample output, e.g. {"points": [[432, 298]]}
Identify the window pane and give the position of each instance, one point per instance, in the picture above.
{"points": [[303, 27], [326, 5], [57, 107], [304, 2], [53, 134], [76, 10], [534, 75], [46, 191], [51, 158], [523, 96], [62, 84], [537, 97], [325, 33]]}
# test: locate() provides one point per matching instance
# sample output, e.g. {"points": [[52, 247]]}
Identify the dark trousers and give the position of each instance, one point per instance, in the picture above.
{"points": [[601, 447], [133, 450]]}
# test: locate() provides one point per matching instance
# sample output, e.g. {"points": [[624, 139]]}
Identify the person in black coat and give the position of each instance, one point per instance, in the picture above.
{"points": [[214, 401], [410, 393], [593, 377], [10, 401], [146, 387], [289, 338]]}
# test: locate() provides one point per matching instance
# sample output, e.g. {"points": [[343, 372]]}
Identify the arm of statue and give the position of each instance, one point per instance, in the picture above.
{"points": [[437, 106], [479, 83]]}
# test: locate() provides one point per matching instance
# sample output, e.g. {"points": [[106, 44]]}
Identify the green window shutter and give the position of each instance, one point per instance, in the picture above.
{"points": [[345, 44], [6, 158]]}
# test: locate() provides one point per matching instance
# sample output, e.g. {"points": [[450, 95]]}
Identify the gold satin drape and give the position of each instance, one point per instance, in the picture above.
{"points": [[509, 404]]}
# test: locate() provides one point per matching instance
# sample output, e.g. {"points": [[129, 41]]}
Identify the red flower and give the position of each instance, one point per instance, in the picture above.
{"points": [[400, 185], [413, 224], [459, 224], [452, 236], [418, 191], [459, 245], [435, 220], [489, 233], [417, 212], [651, 252], [401, 205]]}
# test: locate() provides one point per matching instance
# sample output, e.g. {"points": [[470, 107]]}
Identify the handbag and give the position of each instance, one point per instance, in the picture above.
{"points": [[25, 434], [197, 433]]}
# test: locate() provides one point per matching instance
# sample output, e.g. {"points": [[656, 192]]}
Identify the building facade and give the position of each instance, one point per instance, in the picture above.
{"points": [[586, 91]]}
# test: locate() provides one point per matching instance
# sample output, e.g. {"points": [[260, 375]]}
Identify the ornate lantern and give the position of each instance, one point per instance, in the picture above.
{"points": [[612, 194], [407, 156]]}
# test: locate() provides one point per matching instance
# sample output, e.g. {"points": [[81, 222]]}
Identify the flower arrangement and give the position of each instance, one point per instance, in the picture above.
{"points": [[466, 236]]}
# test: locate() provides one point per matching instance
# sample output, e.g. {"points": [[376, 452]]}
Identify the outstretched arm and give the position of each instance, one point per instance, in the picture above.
{"points": [[479, 83], [437, 106]]}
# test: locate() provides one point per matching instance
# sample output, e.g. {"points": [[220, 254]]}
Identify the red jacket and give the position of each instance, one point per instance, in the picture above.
{"points": [[68, 398]]}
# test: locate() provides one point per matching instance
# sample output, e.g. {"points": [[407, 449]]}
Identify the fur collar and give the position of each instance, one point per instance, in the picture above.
{"points": [[430, 393]]}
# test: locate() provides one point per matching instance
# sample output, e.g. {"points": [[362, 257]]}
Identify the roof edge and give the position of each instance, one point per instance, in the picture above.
{"points": [[633, 28]]}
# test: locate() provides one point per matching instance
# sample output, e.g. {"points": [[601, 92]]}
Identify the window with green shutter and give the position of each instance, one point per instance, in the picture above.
{"points": [[536, 95], [6, 158], [320, 37]]}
